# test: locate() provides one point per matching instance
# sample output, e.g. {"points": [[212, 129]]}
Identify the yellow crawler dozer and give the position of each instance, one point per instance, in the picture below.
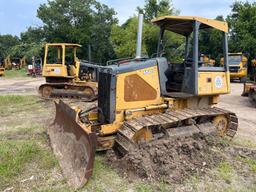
{"points": [[250, 85], [2, 68], [238, 65], [66, 75], [7, 63], [141, 100]]}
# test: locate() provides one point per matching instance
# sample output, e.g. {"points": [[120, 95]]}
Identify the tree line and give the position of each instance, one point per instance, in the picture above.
{"points": [[91, 23]]}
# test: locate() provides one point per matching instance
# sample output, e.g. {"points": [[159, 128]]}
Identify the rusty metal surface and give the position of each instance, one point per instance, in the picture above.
{"points": [[137, 89], [252, 95], [73, 147]]}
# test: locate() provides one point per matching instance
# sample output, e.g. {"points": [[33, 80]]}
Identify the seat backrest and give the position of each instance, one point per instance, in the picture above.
{"points": [[72, 70]]}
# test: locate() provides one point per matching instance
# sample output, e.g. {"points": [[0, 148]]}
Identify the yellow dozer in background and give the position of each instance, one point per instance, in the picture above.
{"points": [[8, 63], [141, 100], [238, 65], [207, 61], [250, 85], [66, 75], [2, 68], [23, 62]]}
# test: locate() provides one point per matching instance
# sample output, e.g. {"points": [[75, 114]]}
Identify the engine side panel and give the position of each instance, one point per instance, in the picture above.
{"points": [[138, 89], [213, 83]]}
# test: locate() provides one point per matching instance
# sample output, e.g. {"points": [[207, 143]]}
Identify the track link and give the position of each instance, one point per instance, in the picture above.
{"points": [[69, 91], [172, 125]]}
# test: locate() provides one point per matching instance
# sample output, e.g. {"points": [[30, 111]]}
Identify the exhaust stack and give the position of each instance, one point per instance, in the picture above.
{"points": [[139, 37]]}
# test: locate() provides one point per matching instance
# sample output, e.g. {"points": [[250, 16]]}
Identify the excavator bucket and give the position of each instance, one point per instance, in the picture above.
{"points": [[73, 146]]}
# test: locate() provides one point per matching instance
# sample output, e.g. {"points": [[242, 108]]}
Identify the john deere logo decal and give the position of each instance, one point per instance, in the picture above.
{"points": [[218, 82]]}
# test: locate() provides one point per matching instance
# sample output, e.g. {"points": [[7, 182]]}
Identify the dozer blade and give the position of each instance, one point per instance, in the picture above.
{"points": [[72, 145], [252, 96], [247, 87]]}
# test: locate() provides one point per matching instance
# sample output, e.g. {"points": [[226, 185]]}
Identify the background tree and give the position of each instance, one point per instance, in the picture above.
{"points": [[89, 22], [123, 37], [79, 21], [7, 42], [32, 42], [242, 23], [210, 42], [154, 8]]}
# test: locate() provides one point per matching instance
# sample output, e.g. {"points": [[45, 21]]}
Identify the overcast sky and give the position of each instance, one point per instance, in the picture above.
{"points": [[17, 15]]}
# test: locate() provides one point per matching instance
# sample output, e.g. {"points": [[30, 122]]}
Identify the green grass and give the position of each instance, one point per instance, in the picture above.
{"points": [[15, 104], [7, 100], [53, 189], [194, 181], [225, 171], [244, 142], [15, 155], [24, 147], [142, 187], [21, 130], [15, 73], [250, 162], [229, 189], [245, 189], [105, 178]]}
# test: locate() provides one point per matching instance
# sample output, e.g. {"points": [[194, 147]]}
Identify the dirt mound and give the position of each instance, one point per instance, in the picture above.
{"points": [[170, 161]]}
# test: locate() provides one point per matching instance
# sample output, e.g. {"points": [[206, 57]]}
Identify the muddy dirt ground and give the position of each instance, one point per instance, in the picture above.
{"points": [[174, 161]]}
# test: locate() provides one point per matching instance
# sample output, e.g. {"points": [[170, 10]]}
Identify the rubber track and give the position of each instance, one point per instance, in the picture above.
{"points": [[124, 139]]}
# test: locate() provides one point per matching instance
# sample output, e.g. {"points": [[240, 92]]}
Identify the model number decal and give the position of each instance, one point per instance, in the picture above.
{"points": [[150, 71]]}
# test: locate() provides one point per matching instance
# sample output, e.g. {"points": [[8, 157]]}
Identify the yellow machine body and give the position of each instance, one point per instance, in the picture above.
{"points": [[250, 85], [64, 77], [213, 83], [2, 70], [59, 68], [238, 66], [23, 62], [140, 99], [7, 63], [139, 94], [181, 29]]}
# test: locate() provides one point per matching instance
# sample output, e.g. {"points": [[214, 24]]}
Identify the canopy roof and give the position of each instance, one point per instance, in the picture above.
{"points": [[239, 53], [65, 44], [183, 25]]}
